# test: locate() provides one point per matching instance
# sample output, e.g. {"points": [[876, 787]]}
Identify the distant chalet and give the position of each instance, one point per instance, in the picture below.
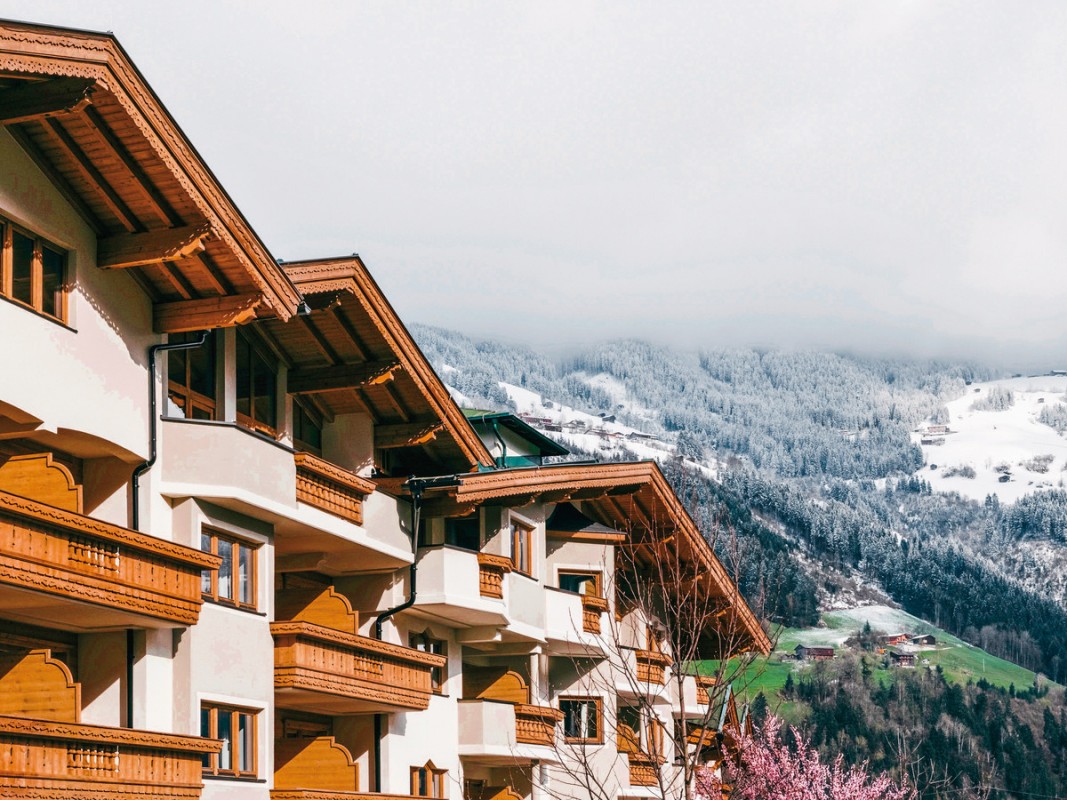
{"points": [[805, 653]]}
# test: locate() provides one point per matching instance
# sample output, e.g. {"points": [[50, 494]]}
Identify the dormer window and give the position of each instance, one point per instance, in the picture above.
{"points": [[32, 271]]}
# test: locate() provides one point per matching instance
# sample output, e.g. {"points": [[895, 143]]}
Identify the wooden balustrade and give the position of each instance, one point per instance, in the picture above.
{"points": [[536, 724], [42, 759], [592, 608], [704, 682], [313, 794], [644, 769], [71, 557], [491, 572], [651, 666], [330, 671], [330, 487]]}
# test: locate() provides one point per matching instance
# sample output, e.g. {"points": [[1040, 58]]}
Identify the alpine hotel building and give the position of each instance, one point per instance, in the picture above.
{"points": [[249, 546]]}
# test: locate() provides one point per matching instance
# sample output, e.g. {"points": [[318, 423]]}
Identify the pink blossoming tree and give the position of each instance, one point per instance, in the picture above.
{"points": [[769, 769]]}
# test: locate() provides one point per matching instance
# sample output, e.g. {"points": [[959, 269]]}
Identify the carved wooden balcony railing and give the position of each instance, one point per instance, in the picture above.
{"points": [[644, 769], [330, 487], [73, 557], [592, 608], [491, 572], [331, 671], [536, 724], [45, 759], [651, 666], [313, 794], [704, 682]]}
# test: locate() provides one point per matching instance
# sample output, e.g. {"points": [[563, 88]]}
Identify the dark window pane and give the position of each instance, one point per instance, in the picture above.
{"points": [[244, 572], [244, 376], [465, 533], [22, 268], [52, 282], [202, 367], [265, 386], [246, 742], [176, 366]]}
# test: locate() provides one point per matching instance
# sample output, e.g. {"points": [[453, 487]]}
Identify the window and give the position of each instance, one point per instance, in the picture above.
{"points": [[237, 729], [234, 582], [522, 547], [465, 532], [191, 376], [33, 271], [587, 583], [427, 644], [428, 781], [257, 386], [639, 731], [307, 429], [582, 719]]}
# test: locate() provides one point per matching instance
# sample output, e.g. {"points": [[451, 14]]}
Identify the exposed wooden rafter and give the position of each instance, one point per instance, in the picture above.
{"points": [[343, 376], [409, 434], [126, 250], [41, 99], [61, 184], [93, 176], [211, 312]]}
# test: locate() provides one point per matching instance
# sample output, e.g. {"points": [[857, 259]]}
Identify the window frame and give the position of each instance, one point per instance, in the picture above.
{"points": [[256, 350], [436, 780], [7, 266], [212, 769], [598, 703], [424, 642], [192, 398], [520, 550], [597, 577], [314, 419], [236, 543]]}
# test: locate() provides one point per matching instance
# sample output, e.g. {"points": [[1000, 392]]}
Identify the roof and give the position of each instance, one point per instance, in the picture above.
{"points": [[352, 354], [567, 522], [634, 497], [546, 447], [81, 110]]}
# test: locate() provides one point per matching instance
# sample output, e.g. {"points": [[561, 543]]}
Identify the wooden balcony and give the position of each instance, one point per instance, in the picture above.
{"points": [[328, 671], [44, 759], [651, 666], [592, 608], [704, 682], [644, 769], [330, 487], [536, 724], [70, 571], [491, 572]]}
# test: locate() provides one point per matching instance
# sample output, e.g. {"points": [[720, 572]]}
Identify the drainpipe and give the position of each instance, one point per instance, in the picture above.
{"points": [[152, 428], [416, 486], [135, 515], [503, 462]]}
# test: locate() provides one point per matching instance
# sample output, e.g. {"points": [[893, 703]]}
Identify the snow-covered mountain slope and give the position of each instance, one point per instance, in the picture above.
{"points": [[995, 442]]}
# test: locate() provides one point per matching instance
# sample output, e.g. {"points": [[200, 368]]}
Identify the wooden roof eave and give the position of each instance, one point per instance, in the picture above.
{"points": [[47, 52], [522, 485], [330, 275]]}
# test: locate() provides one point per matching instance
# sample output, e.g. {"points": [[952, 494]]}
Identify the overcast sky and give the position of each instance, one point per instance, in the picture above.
{"points": [[875, 176]]}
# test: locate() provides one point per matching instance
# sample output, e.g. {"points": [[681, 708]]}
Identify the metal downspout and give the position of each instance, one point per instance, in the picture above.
{"points": [[135, 510]]}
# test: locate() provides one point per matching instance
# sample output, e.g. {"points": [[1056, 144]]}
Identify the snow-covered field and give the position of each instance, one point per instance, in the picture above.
{"points": [[998, 443]]}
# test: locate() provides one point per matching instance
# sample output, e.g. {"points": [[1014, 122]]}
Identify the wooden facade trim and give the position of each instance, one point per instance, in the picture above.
{"points": [[78, 559], [536, 724], [344, 376], [491, 571], [71, 761], [122, 251], [183, 316], [99, 59], [406, 434], [321, 669], [330, 487], [314, 794]]}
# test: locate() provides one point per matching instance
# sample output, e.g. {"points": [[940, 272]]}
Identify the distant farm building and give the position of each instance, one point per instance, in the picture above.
{"points": [[899, 659], [926, 640], [805, 653], [894, 639]]}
